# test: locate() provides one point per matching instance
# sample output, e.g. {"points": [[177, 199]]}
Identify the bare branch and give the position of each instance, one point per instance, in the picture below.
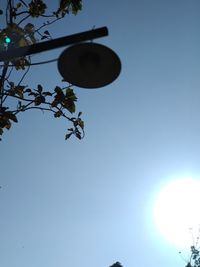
{"points": [[47, 24], [24, 19], [22, 12], [23, 3], [10, 11], [2, 80], [24, 75]]}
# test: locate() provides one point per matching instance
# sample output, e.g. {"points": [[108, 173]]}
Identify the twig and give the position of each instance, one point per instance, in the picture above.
{"points": [[22, 12], [10, 11], [2, 80], [23, 19], [23, 3], [24, 75], [47, 24]]}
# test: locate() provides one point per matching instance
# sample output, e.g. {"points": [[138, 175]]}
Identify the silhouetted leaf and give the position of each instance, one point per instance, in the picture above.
{"points": [[39, 88], [39, 100], [58, 89], [11, 116], [44, 37], [67, 136], [8, 125], [78, 136], [19, 90], [57, 114], [29, 28], [18, 5], [70, 94], [69, 105], [28, 90], [46, 32], [47, 94]]}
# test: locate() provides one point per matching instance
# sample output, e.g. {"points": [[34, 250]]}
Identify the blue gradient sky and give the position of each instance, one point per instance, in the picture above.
{"points": [[89, 203]]}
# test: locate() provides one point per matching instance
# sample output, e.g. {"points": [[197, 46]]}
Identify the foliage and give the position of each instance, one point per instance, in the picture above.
{"points": [[19, 31], [194, 257]]}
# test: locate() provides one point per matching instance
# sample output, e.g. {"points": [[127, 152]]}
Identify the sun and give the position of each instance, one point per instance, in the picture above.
{"points": [[177, 211]]}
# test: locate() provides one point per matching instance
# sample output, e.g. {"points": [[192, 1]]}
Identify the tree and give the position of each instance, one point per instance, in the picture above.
{"points": [[20, 30]]}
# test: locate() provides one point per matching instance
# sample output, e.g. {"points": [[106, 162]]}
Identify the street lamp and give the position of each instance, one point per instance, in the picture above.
{"points": [[89, 65], [84, 64]]}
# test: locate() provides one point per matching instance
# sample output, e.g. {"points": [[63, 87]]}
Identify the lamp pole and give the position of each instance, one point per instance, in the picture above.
{"points": [[52, 44]]}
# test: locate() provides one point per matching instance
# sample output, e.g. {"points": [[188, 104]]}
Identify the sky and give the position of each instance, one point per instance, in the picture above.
{"points": [[90, 202]]}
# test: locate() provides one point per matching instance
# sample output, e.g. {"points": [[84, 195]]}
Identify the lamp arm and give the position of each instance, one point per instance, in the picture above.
{"points": [[52, 44]]}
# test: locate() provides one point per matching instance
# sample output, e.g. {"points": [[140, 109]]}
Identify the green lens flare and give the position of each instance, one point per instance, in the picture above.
{"points": [[7, 40]]}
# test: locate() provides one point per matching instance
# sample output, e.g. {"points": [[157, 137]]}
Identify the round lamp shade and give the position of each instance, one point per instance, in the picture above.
{"points": [[89, 65]]}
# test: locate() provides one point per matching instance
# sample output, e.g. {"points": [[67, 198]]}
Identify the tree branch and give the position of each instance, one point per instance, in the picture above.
{"points": [[24, 75], [23, 3], [10, 11], [22, 12], [47, 24], [2, 80], [23, 19]]}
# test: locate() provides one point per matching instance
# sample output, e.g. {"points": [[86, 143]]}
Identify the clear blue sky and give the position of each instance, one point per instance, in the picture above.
{"points": [[89, 203]]}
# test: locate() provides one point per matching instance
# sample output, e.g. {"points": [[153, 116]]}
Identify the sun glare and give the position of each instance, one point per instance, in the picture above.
{"points": [[177, 211]]}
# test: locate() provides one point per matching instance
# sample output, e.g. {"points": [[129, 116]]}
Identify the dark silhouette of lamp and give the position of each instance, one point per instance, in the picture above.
{"points": [[89, 65]]}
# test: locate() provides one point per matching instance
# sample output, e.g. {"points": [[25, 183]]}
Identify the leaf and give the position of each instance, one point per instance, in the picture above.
{"points": [[79, 114], [59, 94], [57, 114], [33, 39], [39, 100], [67, 136], [54, 103], [8, 125], [11, 116], [22, 42], [44, 37], [46, 32], [70, 94], [78, 136], [81, 124], [28, 90], [3, 109], [76, 6], [18, 5], [29, 28], [47, 94], [69, 105], [39, 88], [71, 129], [37, 8], [58, 89], [19, 90]]}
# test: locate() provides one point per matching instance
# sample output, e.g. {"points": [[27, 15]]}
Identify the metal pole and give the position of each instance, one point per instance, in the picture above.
{"points": [[48, 45]]}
